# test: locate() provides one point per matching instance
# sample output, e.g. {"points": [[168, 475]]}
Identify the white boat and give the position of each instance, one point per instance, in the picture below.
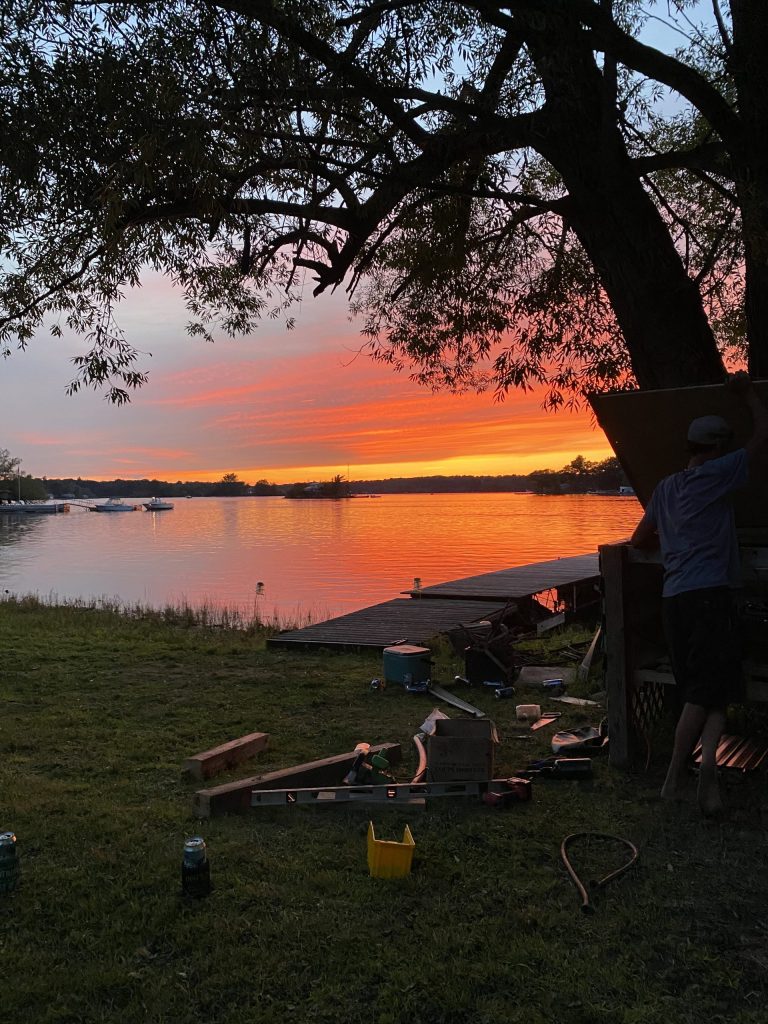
{"points": [[36, 508], [113, 505], [158, 505]]}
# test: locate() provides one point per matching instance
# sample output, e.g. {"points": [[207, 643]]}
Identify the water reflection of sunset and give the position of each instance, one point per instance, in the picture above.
{"points": [[314, 557]]}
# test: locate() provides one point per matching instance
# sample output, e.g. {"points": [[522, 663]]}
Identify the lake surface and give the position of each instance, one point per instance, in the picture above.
{"points": [[315, 558]]}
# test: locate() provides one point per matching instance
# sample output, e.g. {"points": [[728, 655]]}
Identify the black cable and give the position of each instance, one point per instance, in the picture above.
{"points": [[586, 905]]}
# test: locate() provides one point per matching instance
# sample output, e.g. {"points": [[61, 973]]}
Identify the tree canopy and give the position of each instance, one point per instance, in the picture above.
{"points": [[512, 192], [15, 485]]}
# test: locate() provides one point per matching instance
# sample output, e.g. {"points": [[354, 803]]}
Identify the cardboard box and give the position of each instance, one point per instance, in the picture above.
{"points": [[461, 750]]}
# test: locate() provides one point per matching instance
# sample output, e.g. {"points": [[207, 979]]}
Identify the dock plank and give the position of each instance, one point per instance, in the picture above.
{"points": [[389, 623]]}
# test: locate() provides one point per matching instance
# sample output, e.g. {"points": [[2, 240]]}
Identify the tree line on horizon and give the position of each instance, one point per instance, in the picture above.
{"points": [[579, 476]]}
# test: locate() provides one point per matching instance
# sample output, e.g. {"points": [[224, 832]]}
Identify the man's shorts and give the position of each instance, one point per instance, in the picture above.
{"points": [[702, 636]]}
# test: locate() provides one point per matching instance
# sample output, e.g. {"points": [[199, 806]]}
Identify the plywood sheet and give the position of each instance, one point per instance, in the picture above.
{"points": [[648, 430]]}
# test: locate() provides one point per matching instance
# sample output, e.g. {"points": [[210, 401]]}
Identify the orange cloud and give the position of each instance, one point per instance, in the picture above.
{"points": [[283, 407]]}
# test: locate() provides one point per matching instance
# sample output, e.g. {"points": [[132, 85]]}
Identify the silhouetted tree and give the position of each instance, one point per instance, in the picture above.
{"points": [[230, 486], [15, 485], [505, 185]]}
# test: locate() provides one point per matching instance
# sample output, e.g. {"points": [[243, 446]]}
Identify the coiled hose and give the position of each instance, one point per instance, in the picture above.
{"points": [[586, 905]]}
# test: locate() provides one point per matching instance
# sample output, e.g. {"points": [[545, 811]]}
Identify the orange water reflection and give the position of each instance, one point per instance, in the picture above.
{"points": [[315, 558]]}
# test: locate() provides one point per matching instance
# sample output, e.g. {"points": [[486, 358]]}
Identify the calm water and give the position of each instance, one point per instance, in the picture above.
{"points": [[317, 558]]}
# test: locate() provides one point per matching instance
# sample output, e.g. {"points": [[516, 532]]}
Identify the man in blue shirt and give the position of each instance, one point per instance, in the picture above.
{"points": [[691, 512]]}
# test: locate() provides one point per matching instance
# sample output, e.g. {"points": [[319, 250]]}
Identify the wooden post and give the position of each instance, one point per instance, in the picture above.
{"points": [[613, 562]]}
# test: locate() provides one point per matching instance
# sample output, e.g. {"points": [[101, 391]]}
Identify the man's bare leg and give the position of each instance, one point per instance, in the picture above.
{"points": [[710, 800], [689, 729]]}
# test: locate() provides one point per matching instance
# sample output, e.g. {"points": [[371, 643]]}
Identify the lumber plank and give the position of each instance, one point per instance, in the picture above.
{"points": [[226, 755], [235, 797]]}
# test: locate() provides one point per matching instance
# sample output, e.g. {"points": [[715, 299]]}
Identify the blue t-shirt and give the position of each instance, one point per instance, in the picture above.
{"points": [[692, 512]]}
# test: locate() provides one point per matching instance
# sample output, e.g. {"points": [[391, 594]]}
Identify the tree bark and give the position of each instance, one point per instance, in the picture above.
{"points": [[657, 305], [748, 64]]}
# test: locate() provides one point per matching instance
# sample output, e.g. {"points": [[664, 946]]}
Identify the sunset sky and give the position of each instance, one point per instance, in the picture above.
{"points": [[282, 406], [279, 405]]}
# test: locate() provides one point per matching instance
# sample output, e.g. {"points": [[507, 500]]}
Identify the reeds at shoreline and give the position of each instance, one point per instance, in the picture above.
{"points": [[202, 615]]}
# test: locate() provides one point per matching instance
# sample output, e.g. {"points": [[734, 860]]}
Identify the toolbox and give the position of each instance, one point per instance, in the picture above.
{"points": [[406, 663]]}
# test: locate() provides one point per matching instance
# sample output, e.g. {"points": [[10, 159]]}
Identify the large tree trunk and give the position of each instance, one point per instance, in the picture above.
{"points": [[748, 60], [657, 305]]}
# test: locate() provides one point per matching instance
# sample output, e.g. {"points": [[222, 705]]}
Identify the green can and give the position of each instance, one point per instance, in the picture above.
{"points": [[10, 868]]}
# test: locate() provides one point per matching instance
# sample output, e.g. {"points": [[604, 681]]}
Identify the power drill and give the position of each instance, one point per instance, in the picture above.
{"points": [[367, 771]]}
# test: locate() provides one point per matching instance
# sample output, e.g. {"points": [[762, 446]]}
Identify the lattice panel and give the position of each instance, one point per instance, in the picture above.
{"points": [[647, 706]]}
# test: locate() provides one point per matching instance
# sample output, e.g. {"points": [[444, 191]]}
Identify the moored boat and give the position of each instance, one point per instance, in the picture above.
{"points": [[113, 505], [158, 505]]}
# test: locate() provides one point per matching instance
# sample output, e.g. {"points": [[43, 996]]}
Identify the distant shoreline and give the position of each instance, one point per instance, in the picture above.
{"points": [[579, 477]]}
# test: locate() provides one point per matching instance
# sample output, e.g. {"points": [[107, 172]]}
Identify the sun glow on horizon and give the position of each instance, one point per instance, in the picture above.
{"points": [[460, 465], [279, 407]]}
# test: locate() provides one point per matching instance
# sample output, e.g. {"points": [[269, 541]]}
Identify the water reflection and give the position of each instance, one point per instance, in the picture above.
{"points": [[14, 528], [298, 558]]}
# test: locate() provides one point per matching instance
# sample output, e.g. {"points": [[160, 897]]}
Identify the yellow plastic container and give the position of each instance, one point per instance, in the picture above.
{"points": [[388, 859]]}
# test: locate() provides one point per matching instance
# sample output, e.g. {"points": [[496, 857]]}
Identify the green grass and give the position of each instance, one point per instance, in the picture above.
{"points": [[98, 711]]}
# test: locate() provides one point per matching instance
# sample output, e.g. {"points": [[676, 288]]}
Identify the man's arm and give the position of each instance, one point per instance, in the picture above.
{"points": [[757, 444], [645, 535]]}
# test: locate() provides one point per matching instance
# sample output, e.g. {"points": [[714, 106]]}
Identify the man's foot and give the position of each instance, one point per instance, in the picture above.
{"points": [[710, 800], [673, 790], [672, 794]]}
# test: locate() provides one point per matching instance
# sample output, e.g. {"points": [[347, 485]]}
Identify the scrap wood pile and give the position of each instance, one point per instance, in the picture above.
{"points": [[497, 649], [455, 756], [456, 759]]}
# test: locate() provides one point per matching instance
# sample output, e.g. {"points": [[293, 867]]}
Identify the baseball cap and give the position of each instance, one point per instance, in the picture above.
{"points": [[709, 430]]}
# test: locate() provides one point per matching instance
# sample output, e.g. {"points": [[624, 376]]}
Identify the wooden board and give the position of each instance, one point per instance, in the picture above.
{"points": [[227, 755], [235, 797], [648, 431]]}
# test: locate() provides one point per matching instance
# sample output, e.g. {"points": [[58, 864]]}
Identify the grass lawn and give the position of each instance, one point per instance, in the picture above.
{"points": [[98, 712]]}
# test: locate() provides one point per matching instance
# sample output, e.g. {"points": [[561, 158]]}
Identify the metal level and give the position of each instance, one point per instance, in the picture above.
{"points": [[399, 793]]}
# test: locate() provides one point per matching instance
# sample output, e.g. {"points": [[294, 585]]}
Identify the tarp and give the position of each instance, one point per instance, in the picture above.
{"points": [[647, 431]]}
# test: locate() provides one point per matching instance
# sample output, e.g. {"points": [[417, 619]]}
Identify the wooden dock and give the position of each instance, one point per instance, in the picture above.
{"points": [[432, 610], [519, 582]]}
